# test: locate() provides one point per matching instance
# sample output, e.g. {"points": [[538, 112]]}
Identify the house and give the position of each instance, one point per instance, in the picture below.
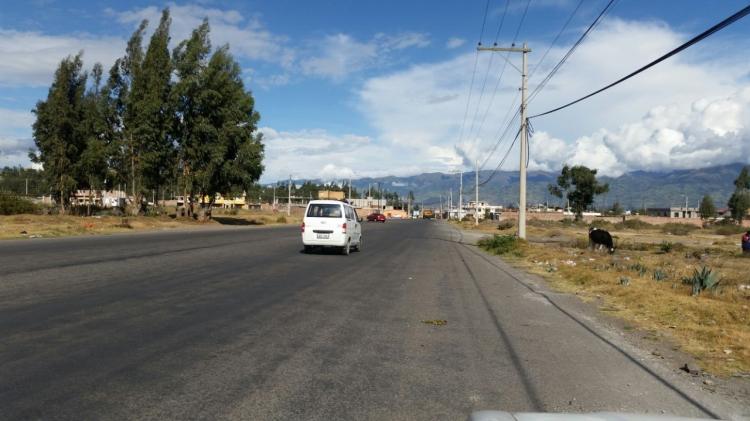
{"points": [[680, 212], [484, 209]]}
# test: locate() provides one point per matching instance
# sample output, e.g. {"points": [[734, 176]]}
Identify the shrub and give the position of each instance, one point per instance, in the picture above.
{"points": [[659, 275], [677, 228], [702, 280], [281, 219], [501, 244], [624, 281], [633, 224], [506, 224], [667, 247], [11, 204]]}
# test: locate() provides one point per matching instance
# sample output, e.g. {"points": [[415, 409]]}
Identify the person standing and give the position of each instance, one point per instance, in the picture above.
{"points": [[746, 242]]}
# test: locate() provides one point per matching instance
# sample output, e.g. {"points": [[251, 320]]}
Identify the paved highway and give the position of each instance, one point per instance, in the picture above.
{"points": [[239, 324]]}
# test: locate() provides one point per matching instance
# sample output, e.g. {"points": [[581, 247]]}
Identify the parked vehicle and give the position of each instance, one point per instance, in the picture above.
{"points": [[428, 214], [376, 217], [330, 223]]}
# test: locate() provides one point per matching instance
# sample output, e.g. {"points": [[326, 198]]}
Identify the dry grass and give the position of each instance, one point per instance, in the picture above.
{"points": [[34, 226], [713, 326]]}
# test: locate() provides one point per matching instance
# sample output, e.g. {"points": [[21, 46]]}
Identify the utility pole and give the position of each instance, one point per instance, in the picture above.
{"points": [[524, 134], [350, 188], [289, 200], [273, 205], [450, 202], [476, 191], [27, 187], [461, 195]]}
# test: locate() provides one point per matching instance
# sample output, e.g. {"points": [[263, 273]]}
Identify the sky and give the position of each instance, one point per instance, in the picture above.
{"points": [[361, 89]]}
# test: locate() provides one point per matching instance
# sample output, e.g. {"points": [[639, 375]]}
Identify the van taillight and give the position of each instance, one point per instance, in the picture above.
{"points": [[303, 227], [343, 228]]}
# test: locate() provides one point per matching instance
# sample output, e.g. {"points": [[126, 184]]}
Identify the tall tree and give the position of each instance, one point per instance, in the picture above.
{"points": [[58, 133], [190, 59], [217, 130], [707, 208], [92, 165], [150, 119], [580, 186], [739, 203]]}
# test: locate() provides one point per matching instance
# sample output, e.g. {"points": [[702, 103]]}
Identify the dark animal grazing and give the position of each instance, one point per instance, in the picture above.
{"points": [[599, 238]]}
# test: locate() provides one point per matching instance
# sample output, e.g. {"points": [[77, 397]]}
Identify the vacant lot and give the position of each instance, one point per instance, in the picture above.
{"points": [[646, 281], [35, 226]]}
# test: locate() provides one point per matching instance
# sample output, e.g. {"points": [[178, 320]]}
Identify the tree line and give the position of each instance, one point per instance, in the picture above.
{"points": [[160, 118]]}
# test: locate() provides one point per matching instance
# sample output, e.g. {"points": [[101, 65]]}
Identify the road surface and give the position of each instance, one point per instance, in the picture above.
{"points": [[239, 324]]}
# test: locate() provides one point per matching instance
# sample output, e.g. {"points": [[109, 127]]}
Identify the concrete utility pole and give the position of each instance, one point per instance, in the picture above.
{"points": [[350, 188], [450, 202], [476, 192], [27, 187], [524, 134], [461, 194], [289, 200]]}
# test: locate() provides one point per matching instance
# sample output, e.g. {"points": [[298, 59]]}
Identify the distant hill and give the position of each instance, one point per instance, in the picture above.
{"points": [[633, 190]]}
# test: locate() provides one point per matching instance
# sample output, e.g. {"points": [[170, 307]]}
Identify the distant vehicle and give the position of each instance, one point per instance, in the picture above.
{"points": [[428, 214], [376, 217], [330, 223]]}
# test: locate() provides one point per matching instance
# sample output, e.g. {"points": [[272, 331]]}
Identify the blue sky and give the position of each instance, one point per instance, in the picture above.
{"points": [[374, 88]]}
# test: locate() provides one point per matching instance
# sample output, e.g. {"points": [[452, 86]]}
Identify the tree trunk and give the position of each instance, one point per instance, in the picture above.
{"points": [[204, 215]]}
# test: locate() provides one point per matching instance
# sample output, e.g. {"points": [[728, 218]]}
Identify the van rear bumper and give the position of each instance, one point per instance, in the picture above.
{"points": [[335, 240]]}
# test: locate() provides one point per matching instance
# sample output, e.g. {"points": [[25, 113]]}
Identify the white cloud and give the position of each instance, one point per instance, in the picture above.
{"points": [[30, 58], [317, 153], [695, 107], [455, 42], [15, 151], [246, 37], [340, 55]]}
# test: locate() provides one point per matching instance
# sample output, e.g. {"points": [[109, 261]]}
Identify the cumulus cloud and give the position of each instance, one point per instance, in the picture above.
{"points": [[246, 37], [318, 154], [455, 42], [15, 151], [689, 111]]}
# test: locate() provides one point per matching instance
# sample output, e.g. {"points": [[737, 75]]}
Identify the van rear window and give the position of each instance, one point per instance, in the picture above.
{"points": [[324, 210]]}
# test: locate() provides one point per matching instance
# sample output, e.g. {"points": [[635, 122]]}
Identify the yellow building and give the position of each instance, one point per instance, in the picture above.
{"points": [[331, 195]]}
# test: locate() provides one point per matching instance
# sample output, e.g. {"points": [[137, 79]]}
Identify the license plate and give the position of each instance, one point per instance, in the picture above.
{"points": [[324, 236]]}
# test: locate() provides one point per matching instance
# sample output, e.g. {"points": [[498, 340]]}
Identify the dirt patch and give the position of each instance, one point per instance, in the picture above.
{"points": [[44, 226]]}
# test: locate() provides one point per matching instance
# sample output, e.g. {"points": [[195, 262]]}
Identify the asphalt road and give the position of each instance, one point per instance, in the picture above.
{"points": [[240, 324]]}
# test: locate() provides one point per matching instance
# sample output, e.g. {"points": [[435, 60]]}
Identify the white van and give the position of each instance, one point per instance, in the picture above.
{"points": [[330, 223]]}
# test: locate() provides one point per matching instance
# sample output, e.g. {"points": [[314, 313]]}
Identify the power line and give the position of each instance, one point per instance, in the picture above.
{"points": [[700, 37], [567, 55], [502, 161], [473, 74], [489, 67], [554, 41], [502, 72]]}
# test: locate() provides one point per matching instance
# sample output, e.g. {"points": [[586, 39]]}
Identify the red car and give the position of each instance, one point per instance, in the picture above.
{"points": [[376, 217]]}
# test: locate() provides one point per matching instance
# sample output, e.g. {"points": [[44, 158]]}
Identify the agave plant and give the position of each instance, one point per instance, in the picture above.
{"points": [[659, 275], [703, 279]]}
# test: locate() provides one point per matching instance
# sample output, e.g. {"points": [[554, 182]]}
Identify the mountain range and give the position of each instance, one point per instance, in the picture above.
{"points": [[633, 190]]}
